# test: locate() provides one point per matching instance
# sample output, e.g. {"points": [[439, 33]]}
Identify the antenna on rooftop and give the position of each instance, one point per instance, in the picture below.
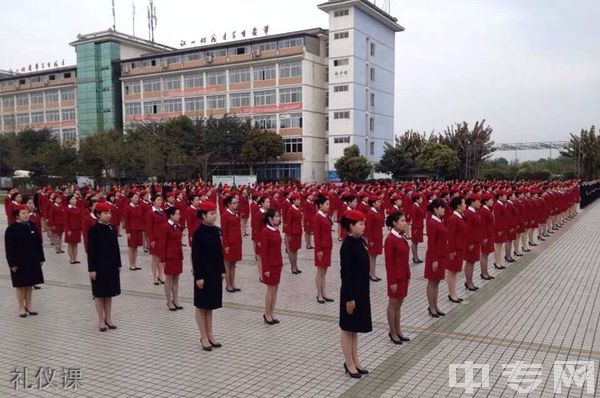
{"points": [[151, 20], [114, 18], [133, 17]]}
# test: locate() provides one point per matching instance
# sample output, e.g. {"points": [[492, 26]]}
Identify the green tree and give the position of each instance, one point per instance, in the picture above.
{"points": [[394, 161], [262, 147], [439, 158], [103, 155], [352, 166], [497, 169], [472, 146], [532, 171], [411, 143], [584, 149]]}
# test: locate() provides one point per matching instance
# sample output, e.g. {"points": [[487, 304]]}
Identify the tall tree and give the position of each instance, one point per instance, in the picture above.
{"points": [[394, 161], [584, 149], [262, 147], [352, 166], [103, 155], [439, 158], [472, 146]]}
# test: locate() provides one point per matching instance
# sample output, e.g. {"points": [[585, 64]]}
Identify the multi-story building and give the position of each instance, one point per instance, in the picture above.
{"points": [[322, 90]]}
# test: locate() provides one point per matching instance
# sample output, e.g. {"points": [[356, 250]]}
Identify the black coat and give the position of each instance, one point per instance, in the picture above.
{"points": [[354, 270], [207, 262], [104, 258], [23, 245]]}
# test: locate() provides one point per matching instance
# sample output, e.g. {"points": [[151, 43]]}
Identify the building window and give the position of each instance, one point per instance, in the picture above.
{"points": [[327, 123], [287, 95], [267, 122], [52, 116], [340, 62], [22, 100], [239, 75], [133, 88], [372, 74], [37, 117], [22, 118], [133, 108], [190, 81], [37, 99], [372, 99], [69, 95], [267, 97], [341, 115], [215, 102], [238, 50], [291, 42], [152, 85], [69, 135], [51, 96], [151, 107], [215, 78], [371, 123], [55, 134], [290, 120], [372, 49], [67, 75], [372, 147], [341, 35], [8, 102], [341, 13], [193, 56], [293, 145], [194, 104], [290, 69], [265, 46], [172, 60], [217, 53], [172, 83], [239, 99], [9, 120], [264, 72], [68, 114], [172, 105], [340, 89], [341, 140]]}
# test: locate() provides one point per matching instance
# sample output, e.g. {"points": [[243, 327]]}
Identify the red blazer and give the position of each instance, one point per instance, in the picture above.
{"points": [[309, 209], [58, 214], [418, 217], [270, 249], [474, 228], [87, 222], [192, 220], [285, 206], [154, 220], [169, 242], [244, 206], [499, 210], [396, 253], [294, 223], [182, 206], [322, 230], [487, 222], [437, 242], [115, 218], [7, 207], [374, 226], [457, 234], [231, 228], [74, 218], [133, 218], [257, 222]]}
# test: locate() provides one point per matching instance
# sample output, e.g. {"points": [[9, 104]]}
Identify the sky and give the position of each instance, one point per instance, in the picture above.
{"points": [[530, 68]]}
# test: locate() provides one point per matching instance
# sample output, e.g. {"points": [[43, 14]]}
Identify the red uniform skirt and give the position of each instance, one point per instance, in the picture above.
{"points": [[235, 252], [416, 235], [136, 239], [153, 247], [173, 267], [429, 273], [512, 235], [473, 254], [294, 241], [73, 236], [326, 259], [58, 229], [488, 247], [500, 236], [375, 247], [401, 290], [274, 277], [456, 263]]}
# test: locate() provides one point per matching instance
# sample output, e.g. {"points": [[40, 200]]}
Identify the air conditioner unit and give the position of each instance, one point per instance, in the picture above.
{"points": [[257, 53]]}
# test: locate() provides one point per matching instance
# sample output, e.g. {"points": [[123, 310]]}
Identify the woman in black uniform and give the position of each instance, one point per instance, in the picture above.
{"points": [[104, 265], [209, 271], [25, 256], [355, 305]]}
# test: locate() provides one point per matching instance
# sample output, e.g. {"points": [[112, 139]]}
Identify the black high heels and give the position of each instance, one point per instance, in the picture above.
{"points": [[111, 327], [399, 342], [457, 301], [329, 300], [486, 278], [216, 345], [205, 348], [320, 301], [30, 312], [271, 322], [431, 314], [402, 338], [499, 267], [473, 289], [356, 375], [178, 307], [440, 313]]}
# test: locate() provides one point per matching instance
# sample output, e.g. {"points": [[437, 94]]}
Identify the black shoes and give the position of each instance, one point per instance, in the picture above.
{"points": [[375, 279], [103, 329], [431, 314], [457, 301], [272, 322], [171, 308], [23, 315], [473, 289], [417, 261], [134, 269], [399, 342], [205, 348], [320, 301], [30, 312], [402, 338], [230, 290], [486, 278], [178, 307], [216, 345], [111, 327], [329, 300], [161, 281], [356, 375], [440, 313], [499, 267], [509, 260], [36, 287], [296, 272]]}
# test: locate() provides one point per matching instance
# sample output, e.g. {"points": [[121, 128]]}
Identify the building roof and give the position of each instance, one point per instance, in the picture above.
{"points": [[366, 6], [40, 72], [123, 38], [252, 40]]}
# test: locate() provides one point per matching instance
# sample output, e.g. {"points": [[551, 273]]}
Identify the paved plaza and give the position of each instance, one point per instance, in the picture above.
{"points": [[543, 308]]}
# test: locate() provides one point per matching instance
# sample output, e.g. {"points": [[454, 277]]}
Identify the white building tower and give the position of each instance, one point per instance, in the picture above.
{"points": [[361, 77]]}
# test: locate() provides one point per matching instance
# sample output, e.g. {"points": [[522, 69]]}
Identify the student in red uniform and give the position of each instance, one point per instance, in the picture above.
{"points": [[436, 256], [294, 230], [154, 219], [271, 262], [73, 228], [511, 217], [115, 219], [323, 246], [308, 214], [58, 214], [146, 205], [474, 234], [374, 234], [192, 216], [244, 208], [7, 204], [416, 228], [89, 219], [397, 273], [232, 240], [457, 244], [500, 227], [170, 254], [133, 218], [487, 226], [257, 224]]}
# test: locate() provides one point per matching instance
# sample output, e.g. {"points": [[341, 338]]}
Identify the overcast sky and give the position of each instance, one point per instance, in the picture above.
{"points": [[531, 68]]}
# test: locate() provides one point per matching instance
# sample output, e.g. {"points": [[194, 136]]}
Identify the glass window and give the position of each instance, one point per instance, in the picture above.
{"points": [[52, 116], [193, 56], [190, 81], [266, 97], [37, 99], [341, 140], [22, 118], [8, 101], [267, 122], [215, 101], [265, 46], [340, 62], [239, 99], [264, 72], [341, 35], [69, 135], [372, 74], [194, 104], [239, 75], [133, 87], [9, 120], [293, 94], [37, 117], [217, 53], [69, 94], [172, 105], [151, 107], [22, 100], [238, 50], [341, 115], [51, 96], [340, 88], [372, 99], [172, 83], [372, 147], [371, 123], [290, 69], [133, 108], [373, 49], [290, 120], [68, 114], [215, 78], [151, 85], [55, 134], [341, 13], [172, 60], [291, 42], [293, 145]]}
